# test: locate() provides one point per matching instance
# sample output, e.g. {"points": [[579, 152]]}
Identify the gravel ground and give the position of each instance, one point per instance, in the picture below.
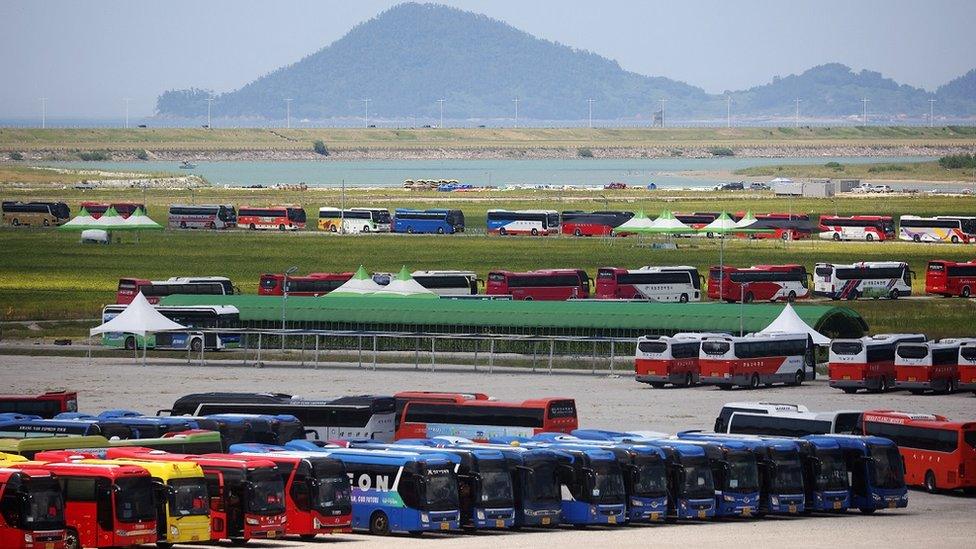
{"points": [[938, 520]]}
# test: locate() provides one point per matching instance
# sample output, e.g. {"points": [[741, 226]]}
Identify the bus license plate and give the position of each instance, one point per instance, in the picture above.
{"points": [[911, 379], [546, 520], [701, 514], [612, 519], [747, 511], [272, 534], [48, 546], [715, 374], [892, 504], [792, 508], [499, 523], [847, 378], [836, 505], [655, 516], [445, 526]]}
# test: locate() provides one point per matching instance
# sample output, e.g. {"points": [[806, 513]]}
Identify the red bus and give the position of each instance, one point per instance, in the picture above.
{"points": [[47, 405], [727, 361], [672, 283], [593, 223], [154, 290], [759, 282], [481, 420], [949, 278], [317, 493], [697, 220], [247, 499], [784, 226], [312, 284], [662, 360], [867, 362], [966, 362], [939, 454], [105, 505], [858, 227], [31, 509], [542, 285], [283, 218], [923, 366], [125, 209]]}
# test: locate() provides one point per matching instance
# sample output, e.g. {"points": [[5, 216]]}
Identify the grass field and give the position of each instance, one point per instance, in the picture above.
{"points": [[46, 274], [910, 171], [198, 139]]}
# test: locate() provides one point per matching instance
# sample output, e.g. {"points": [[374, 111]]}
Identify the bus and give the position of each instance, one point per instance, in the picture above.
{"points": [[541, 285], [124, 209], [480, 420], [35, 214], [875, 279], [282, 218], [448, 283], [781, 226], [426, 486], [182, 513], [792, 424], [196, 317], [759, 282], [31, 508], [939, 454], [20, 426], [592, 224], [670, 283], [876, 474], [202, 216], [312, 284], [186, 442], [245, 495], [967, 364], [660, 360], [531, 222], [434, 221], [859, 227], [950, 278], [45, 405], [866, 363], [925, 366], [365, 416], [942, 228], [354, 220], [756, 359], [154, 290], [133, 424]]}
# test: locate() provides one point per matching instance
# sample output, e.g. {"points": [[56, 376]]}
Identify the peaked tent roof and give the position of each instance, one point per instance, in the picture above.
{"points": [[747, 220], [790, 322], [139, 220], [81, 222], [668, 223], [360, 284], [139, 317], [404, 285], [638, 222]]}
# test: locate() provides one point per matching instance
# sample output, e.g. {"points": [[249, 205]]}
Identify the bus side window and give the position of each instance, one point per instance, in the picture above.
{"points": [[214, 492], [103, 504]]}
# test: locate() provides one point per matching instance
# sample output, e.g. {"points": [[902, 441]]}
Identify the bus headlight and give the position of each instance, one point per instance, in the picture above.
{"points": [[174, 531], [424, 517], [481, 515], [729, 498], [636, 503], [774, 500], [28, 537], [252, 521]]}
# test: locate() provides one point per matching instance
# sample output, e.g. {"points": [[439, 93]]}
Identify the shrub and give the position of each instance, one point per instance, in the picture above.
{"points": [[584, 153], [834, 166], [16, 156], [319, 147], [93, 156], [887, 168], [142, 155], [721, 151], [956, 161]]}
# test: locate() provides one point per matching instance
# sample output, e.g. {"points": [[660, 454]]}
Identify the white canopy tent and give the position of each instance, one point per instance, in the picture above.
{"points": [[360, 284], [405, 286], [140, 318], [790, 322]]}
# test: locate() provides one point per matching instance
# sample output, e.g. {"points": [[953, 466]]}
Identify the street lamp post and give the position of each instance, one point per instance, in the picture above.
{"points": [[284, 289]]}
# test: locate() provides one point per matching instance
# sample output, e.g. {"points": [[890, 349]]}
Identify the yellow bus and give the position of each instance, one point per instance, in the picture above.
{"points": [[36, 214], [7, 459]]}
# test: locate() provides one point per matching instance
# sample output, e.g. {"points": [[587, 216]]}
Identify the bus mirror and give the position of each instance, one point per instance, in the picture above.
{"points": [[528, 470], [313, 432], [169, 412]]}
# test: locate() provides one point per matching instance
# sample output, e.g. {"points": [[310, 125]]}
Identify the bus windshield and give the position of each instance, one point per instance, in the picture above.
{"points": [[652, 479], [715, 347], [440, 490], [698, 478], [134, 500], [608, 484], [496, 485], [381, 216], [44, 507], [743, 473], [544, 486], [847, 347], [970, 438], [832, 474], [267, 495], [788, 477], [887, 466], [333, 493], [187, 497]]}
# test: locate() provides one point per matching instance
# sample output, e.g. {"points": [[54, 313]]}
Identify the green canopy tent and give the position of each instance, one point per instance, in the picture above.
{"points": [[81, 222], [403, 285]]}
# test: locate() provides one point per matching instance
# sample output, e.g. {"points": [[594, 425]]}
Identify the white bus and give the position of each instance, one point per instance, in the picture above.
{"points": [[526, 222], [943, 228], [202, 216], [866, 363], [353, 221], [756, 359], [890, 279], [662, 360], [784, 419], [678, 283], [967, 362], [927, 366], [448, 283]]}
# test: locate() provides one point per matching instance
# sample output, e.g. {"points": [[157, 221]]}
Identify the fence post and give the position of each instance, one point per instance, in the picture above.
{"points": [[257, 363], [491, 355], [611, 357], [535, 350], [593, 362], [203, 345], [552, 345], [433, 352], [245, 338], [374, 352], [416, 353], [360, 351], [477, 343], [316, 351]]}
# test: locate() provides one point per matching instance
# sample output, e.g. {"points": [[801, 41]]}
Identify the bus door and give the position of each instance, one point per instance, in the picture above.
{"points": [[220, 512]]}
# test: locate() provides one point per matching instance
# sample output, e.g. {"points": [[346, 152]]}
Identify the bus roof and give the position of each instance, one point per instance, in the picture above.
{"points": [[768, 406], [864, 264], [932, 421], [110, 470], [533, 403]]}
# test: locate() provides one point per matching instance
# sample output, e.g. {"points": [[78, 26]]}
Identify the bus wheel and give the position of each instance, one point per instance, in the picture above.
{"points": [[657, 385], [251, 226], [917, 238], [306, 537], [893, 294], [502, 231], [930, 485], [15, 222], [852, 296], [379, 525], [535, 232], [71, 539], [798, 378], [238, 542], [885, 384], [213, 226], [965, 291], [749, 297], [791, 297], [850, 390], [163, 545], [683, 298], [281, 227], [182, 224], [869, 237], [365, 228], [196, 344], [836, 237], [866, 510], [955, 239], [333, 228], [130, 343], [688, 379], [440, 230], [48, 224], [409, 230], [754, 382], [786, 236], [578, 232]]}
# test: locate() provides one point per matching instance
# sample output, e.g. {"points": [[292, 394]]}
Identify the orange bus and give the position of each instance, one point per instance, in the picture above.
{"points": [[282, 218]]}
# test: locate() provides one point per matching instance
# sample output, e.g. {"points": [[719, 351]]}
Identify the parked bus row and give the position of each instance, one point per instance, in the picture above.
{"points": [[938, 453]]}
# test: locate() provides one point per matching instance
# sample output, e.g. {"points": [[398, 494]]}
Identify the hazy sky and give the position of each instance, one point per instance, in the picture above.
{"points": [[86, 56]]}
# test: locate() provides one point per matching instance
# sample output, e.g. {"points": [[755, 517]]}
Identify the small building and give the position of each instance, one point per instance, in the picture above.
{"points": [[783, 186], [818, 188], [847, 185]]}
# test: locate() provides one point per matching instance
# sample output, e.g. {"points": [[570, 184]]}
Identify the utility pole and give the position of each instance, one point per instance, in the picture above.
{"points": [[209, 105], [589, 103], [288, 113], [728, 111], [663, 102], [796, 116], [516, 101], [931, 112], [864, 111], [126, 100], [366, 102], [43, 112], [440, 103]]}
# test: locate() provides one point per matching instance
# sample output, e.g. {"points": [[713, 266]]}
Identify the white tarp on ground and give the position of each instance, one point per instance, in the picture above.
{"points": [[790, 322], [140, 318]]}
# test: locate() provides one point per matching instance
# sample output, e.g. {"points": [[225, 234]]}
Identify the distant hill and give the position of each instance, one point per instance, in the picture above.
{"points": [[959, 94], [409, 56]]}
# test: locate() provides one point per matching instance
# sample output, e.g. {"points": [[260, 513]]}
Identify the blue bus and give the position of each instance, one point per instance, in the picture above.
{"points": [[781, 486], [484, 482], [691, 486], [141, 426], [393, 491], [435, 221], [825, 475], [645, 473], [877, 472], [20, 426]]}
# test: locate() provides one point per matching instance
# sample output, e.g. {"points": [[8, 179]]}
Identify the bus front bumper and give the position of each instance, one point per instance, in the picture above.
{"points": [[540, 517], [883, 500], [341, 524], [791, 504], [439, 521], [700, 509], [737, 505], [647, 509], [834, 500], [188, 529], [494, 518]]}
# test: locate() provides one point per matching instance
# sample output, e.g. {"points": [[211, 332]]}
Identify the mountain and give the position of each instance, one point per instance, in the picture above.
{"points": [[411, 55]]}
